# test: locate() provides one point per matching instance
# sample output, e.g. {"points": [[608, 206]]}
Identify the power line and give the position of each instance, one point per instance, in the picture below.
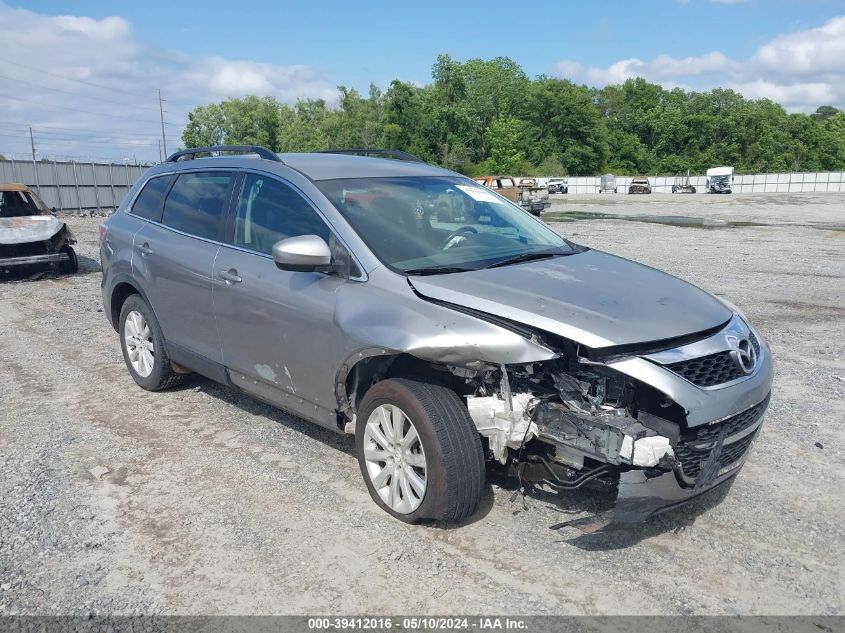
{"points": [[78, 94], [48, 130], [80, 141], [40, 103], [44, 126], [80, 81], [82, 136], [51, 142]]}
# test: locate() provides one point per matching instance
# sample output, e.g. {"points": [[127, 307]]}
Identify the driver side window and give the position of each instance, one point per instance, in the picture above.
{"points": [[269, 210]]}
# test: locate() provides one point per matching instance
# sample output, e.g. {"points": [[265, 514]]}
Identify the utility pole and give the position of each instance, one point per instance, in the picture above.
{"points": [[161, 114], [32, 144], [160, 159]]}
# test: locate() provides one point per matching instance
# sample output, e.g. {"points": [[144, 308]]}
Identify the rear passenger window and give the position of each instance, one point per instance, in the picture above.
{"points": [[148, 203], [269, 211], [196, 203]]}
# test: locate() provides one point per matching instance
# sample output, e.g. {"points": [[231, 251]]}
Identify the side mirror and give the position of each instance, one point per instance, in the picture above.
{"points": [[304, 253]]}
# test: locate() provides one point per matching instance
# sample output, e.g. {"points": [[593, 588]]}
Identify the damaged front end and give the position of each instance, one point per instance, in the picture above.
{"points": [[575, 421], [35, 240]]}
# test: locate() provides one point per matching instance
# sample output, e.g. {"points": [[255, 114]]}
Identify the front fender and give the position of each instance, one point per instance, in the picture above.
{"points": [[403, 322], [393, 320]]}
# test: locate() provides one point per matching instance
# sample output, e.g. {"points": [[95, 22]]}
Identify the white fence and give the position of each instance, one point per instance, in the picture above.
{"points": [[73, 186], [749, 183]]}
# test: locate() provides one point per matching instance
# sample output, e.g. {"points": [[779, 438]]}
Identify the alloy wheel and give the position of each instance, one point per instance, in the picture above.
{"points": [[138, 338], [395, 458]]}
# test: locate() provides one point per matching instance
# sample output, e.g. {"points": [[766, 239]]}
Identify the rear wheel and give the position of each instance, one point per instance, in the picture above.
{"points": [[419, 451], [143, 346]]}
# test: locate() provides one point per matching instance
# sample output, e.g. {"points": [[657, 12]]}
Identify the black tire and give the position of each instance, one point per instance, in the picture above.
{"points": [[162, 375], [71, 265], [455, 470]]}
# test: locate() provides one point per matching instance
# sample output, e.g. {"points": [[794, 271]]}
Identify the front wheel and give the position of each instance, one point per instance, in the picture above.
{"points": [[71, 264], [419, 451]]}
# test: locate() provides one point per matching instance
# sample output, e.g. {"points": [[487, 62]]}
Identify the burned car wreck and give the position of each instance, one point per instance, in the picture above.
{"points": [[30, 235]]}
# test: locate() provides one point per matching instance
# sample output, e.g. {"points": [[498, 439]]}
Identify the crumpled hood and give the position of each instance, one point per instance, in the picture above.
{"points": [[593, 298], [29, 228]]}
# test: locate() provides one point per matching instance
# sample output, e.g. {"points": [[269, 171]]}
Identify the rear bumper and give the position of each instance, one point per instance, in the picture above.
{"points": [[536, 206], [29, 260]]}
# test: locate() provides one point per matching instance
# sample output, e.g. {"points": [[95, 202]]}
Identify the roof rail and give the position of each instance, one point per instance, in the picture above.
{"points": [[262, 152], [398, 154]]}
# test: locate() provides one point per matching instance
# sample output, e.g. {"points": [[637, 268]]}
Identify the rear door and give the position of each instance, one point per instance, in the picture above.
{"points": [[277, 327], [174, 256]]}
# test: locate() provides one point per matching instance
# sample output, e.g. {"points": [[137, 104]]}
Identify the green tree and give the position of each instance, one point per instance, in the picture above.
{"points": [[565, 123], [206, 126], [824, 112], [487, 115], [507, 136]]}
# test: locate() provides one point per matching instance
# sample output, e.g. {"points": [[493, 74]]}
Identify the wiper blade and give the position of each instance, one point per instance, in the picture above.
{"points": [[525, 257], [437, 270]]}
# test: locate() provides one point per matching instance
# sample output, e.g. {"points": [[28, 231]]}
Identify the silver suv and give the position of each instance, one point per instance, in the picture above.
{"points": [[438, 323]]}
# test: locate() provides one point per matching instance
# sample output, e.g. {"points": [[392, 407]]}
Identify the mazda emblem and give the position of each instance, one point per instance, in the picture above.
{"points": [[745, 356]]}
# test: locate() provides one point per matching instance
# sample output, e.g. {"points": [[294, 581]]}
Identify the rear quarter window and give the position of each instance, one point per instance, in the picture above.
{"points": [[196, 203], [148, 203]]}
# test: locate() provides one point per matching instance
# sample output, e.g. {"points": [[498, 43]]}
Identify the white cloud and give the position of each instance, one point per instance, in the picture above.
{"points": [[73, 118], [801, 70], [811, 52]]}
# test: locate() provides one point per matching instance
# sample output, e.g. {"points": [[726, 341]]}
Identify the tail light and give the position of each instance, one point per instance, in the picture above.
{"points": [[102, 234]]}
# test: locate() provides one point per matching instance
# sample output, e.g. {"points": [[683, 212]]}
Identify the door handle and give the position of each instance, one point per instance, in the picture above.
{"points": [[144, 249], [230, 276]]}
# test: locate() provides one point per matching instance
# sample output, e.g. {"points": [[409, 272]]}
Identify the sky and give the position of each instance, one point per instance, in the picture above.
{"points": [[85, 75]]}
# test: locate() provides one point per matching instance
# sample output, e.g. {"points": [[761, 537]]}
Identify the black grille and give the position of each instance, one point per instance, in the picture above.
{"points": [[691, 459], [754, 343], [23, 250], [710, 370]]}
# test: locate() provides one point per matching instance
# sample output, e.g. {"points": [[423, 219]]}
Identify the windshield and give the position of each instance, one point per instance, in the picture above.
{"points": [[428, 224], [16, 204]]}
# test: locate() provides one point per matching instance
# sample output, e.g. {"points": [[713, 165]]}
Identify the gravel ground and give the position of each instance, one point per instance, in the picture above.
{"points": [[201, 501]]}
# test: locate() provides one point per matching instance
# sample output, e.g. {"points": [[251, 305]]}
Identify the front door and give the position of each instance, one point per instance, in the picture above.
{"points": [[276, 327]]}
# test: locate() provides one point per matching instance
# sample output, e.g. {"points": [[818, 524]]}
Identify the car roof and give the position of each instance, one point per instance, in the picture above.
{"points": [[13, 186], [317, 165], [320, 166]]}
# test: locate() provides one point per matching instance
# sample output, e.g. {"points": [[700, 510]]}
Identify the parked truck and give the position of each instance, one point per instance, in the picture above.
{"points": [[528, 194], [719, 179]]}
